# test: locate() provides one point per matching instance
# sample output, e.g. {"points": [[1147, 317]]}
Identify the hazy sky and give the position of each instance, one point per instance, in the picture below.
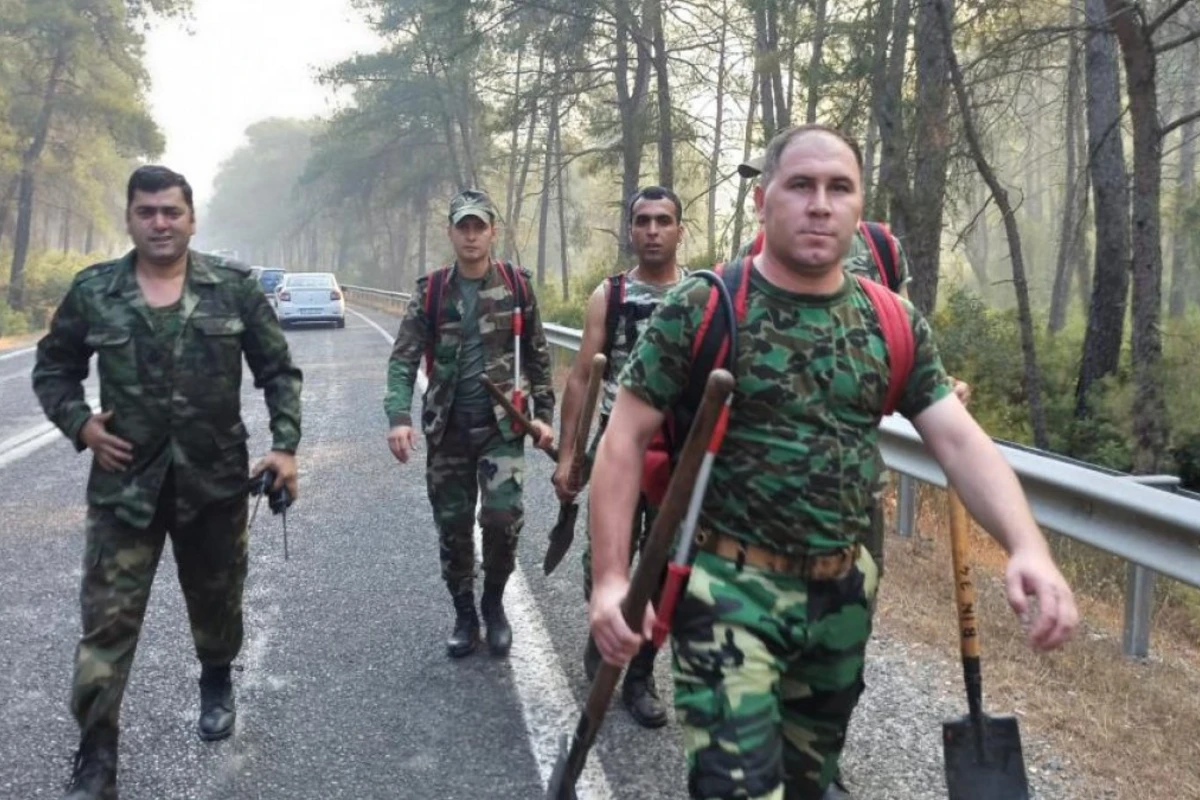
{"points": [[239, 61]]}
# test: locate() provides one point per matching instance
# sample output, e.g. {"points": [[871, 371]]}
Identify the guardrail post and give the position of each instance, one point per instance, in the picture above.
{"points": [[906, 506], [1139, 587]]}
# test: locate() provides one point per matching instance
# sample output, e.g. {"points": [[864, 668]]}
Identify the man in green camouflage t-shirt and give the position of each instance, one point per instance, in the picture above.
{"points": [[170, 328], [770, 637]]}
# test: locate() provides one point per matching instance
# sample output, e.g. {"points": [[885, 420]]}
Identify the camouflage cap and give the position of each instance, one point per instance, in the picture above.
{"points": [[752, 167], [472, 203]]}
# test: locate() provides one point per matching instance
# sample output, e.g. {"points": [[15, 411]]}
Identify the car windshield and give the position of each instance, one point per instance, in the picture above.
{"points": [[310, 282], [270, 278]]}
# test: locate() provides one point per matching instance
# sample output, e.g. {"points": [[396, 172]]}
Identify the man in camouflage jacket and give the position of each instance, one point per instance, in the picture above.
{"points": [[169, 327], [474, 447]]}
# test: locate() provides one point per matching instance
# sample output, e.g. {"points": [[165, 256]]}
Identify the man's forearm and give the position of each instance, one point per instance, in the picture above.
{"points": [[571, 407], [991, 492], [616, 481]]}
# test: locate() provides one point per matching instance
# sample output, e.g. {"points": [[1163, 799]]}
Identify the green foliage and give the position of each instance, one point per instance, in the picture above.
{"points": [[12, 323], [48, 275]]}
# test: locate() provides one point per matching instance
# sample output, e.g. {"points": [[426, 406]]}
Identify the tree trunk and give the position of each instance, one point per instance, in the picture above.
{"points": [[1068, 234], [29, 161], [743, 184], [762, 69], [1150, 425], [630, 104], [562, 216], [513, 156], [891, 199], [783, 107], [422, 234], [1110, 201], [1031, 378], [511, 247], [6, 205], [931, 138], [1181, 270], [978, 243], [815, 61], [666, 147], [718, 124], [547, 182], [89, 240]]}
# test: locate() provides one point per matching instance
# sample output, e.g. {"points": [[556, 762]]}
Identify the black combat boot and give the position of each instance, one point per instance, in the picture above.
{"points": [[638, 692], [499, 634], [216, 703], [465, 638], [95, 773]]}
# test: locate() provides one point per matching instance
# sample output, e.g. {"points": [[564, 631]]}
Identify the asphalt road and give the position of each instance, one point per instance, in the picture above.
{"points": [[344, 689]]}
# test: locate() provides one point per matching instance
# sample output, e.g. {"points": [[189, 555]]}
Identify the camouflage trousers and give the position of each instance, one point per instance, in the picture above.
{"points": [[119, 565], [473, 464], [768, 669], [639, 530]]}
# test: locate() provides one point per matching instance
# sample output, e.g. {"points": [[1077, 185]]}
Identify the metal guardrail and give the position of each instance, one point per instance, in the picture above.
{"points": [[1155, 531]]}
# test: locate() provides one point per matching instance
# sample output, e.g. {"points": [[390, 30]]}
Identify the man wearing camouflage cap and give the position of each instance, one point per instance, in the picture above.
{"points": [[476, 317], [169, 328]]}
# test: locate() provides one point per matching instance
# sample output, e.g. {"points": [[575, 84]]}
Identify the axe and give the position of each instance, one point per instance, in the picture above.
{"points": [[563, 532], [522, 421]]}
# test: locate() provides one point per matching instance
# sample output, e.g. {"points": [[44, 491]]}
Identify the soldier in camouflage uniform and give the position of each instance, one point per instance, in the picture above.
{"points": [[169, 327], [655, 229], [474, 448], [770, 637]]}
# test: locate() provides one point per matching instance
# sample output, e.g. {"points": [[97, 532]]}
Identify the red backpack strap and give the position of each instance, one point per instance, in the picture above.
{"points": [[435, 293], [756, 246], [897, 338], [884, 252], [515, 281]]}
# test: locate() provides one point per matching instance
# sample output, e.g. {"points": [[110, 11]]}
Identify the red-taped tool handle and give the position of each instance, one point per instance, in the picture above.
{"points": [[677, 575]]}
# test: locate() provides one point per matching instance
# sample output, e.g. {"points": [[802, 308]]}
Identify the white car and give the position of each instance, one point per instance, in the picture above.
{"points": [[310, 297]]}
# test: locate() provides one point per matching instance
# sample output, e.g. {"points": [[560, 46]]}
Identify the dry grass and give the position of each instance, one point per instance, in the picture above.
{"points": [[24, 340], [1132, 728]]}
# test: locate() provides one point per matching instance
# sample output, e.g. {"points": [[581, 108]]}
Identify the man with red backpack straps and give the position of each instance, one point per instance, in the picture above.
{"points": [[770, 635], [473, 318]]}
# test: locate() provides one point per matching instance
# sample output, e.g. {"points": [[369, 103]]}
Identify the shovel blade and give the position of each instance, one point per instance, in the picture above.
{"points": [[561, 536], [984, 759], [560, 786]]}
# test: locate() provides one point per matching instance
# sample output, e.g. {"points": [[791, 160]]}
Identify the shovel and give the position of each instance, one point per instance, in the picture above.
{"points": [[573, 750], [982, 753], [514, 414], [564, 530]]}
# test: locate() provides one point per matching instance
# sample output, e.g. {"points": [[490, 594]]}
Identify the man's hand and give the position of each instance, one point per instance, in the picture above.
{"points": [[617, 644], [562, 483], [112, 453], [1032, 574], [542, 434], [402, 441], [284, 466]]}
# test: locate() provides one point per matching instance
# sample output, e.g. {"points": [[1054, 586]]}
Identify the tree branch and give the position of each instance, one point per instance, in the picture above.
{"points": [[1167, 13], [1179, 123], [1177, 42]]}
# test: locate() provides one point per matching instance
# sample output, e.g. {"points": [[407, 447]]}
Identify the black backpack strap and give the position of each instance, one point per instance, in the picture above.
{"points": [[612, 315], [882, 245]]}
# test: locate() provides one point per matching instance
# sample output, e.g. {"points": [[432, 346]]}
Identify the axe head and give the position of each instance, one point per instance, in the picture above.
{"points": [[561, 536]]}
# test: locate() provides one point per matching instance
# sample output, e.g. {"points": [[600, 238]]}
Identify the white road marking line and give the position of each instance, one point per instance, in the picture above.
{"points": [[547, 705], [31, 440], [15, 353]]}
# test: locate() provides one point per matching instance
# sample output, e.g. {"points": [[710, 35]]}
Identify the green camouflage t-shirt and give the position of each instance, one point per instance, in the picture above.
{"points": [[800, 459]]}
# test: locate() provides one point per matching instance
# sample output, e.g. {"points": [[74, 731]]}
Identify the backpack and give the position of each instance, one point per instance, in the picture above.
{"points": [[715, 344], [435, 294], [614, 311], [880, 241]]}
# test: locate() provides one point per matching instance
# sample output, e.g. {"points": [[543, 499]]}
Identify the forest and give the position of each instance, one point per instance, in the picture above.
{"points": [[1037, 159]]}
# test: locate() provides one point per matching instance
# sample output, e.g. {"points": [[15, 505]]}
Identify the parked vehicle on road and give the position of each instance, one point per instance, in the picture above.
{"points": [[269, 279], [304, 297]]}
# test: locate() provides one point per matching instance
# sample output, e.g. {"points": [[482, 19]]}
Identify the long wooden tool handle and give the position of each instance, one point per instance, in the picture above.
{"points": [[584, 425], [522, 421], [654, 557], [964, 597]]}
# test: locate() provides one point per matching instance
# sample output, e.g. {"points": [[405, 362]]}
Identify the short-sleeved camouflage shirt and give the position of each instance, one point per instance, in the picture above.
{"points": [[800, 459]]}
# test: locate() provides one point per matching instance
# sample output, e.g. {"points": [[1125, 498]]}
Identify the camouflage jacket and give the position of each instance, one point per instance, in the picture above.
{"points": [[180, 410], [496, 332]]}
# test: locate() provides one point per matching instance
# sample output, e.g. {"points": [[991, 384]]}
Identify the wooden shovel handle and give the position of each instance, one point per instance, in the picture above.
{"points": [[964, 587], [523, 422], [584, 425]]}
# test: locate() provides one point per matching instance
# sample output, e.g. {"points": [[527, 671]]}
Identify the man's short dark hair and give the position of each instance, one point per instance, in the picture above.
{"points": [[656, 193], [153, 178], [782, 139]]}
